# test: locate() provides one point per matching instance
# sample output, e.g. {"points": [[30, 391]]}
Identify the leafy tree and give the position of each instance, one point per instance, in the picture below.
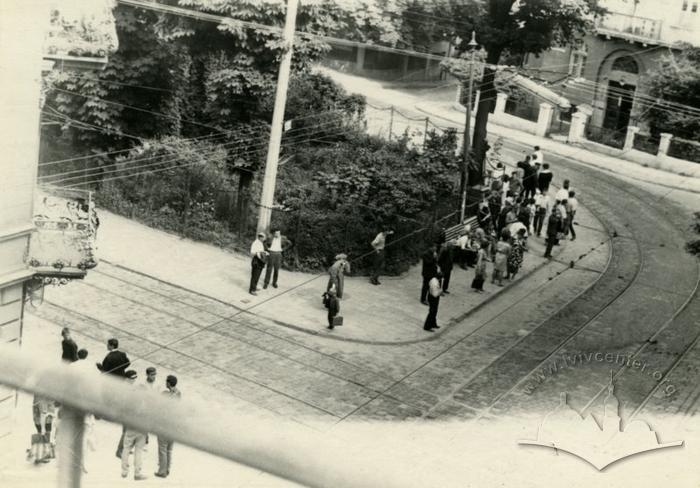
{"points": [[512, 28], [340, 194], [676, 78]]}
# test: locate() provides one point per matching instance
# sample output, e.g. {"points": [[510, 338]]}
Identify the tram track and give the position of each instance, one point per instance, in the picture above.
{"points": [[487, 410]]}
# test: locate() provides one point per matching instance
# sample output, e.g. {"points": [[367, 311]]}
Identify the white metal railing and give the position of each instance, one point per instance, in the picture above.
{"points": [[281, 448], [631, 25]]}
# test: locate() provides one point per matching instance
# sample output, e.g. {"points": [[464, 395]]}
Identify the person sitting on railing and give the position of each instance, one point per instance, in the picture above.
{"points": [[133, 439], [165, 446]]}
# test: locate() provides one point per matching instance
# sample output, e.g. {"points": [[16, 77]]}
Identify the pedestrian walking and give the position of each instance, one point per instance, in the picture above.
{"points": [[333, 305], [133, 439], [480, 267], [495, 202], [336, 274], [275, 246], [165, 445], [116, 361], [258, 260], [515, 258], [515, 185], [378, 244], [445, 263], [553, 230], [500, 263], [563, 214], [428, 271], [544, 178], [571, 208], [483, 216], [563, 192], [434, 292], [537, 156], [542, 208], [68, 346]]}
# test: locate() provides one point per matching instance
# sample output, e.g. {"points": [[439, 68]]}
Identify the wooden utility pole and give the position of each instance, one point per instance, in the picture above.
{"points": [[273, 150], [467, 130]]}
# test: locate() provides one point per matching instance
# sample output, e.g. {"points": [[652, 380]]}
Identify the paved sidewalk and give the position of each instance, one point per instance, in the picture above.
{"points": [[446, 111], [438, 104], [390, 313]]}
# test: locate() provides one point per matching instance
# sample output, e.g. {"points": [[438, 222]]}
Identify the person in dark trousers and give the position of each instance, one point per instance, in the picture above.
{"points": [[69, 347], [259, 258], [434, 293], [571, 207], [275, 245], [429, 270], [446, 262], [544, 179], [378, 244], [115, 362], [333, 307], [165, 446], [553, 228], [542, 206]]}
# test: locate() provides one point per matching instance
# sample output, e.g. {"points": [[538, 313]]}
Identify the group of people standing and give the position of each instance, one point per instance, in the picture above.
{"points": [[266, 253], [46, 412]]}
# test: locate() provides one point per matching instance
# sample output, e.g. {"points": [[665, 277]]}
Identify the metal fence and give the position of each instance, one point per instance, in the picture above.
{"points": [[684, 149], [523, 109], [647, 143], [607, 137]]}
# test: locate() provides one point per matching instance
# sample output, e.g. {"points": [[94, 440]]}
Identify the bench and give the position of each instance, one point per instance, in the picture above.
{"points": [[456, 231]]}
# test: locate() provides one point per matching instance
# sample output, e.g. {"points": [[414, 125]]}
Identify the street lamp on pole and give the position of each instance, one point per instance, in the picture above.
{"points": [[467, 127]]}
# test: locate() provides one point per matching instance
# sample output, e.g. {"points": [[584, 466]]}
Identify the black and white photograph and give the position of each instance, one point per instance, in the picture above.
{"points": [[349, 243]]}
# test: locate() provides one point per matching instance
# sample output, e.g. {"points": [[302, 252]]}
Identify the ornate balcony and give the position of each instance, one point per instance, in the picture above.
{"points": [[633, 28]]}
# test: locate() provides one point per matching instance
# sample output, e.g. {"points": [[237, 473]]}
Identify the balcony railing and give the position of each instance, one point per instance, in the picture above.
{"points": [[630, 27], [280, 448]]}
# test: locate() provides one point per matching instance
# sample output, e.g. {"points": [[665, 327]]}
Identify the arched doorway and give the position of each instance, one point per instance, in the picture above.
{"points": [[621, 87]]}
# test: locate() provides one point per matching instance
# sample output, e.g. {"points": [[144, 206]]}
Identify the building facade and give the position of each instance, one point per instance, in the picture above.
{"points": [[603, 72]]}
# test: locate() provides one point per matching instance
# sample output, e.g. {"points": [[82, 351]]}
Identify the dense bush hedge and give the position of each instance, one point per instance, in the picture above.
{"points": [[180, 196], [340, 196]]}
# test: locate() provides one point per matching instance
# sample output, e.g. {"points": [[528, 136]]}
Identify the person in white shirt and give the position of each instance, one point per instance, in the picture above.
{"points": [[543, 205], [378, 245], [276, 245], [563, 193], [537, 156], [259, 258], [434, 292]]}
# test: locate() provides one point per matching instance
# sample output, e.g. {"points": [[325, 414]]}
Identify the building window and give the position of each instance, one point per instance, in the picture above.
{"points": [[577, 62]]}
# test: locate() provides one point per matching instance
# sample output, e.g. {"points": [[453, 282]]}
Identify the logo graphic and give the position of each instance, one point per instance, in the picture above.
{"points": [[598, 443]]}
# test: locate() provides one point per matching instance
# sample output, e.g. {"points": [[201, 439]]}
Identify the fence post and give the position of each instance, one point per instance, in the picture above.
{"points": [[391, 122], [544, 119], [664, 144], [425, 133], [296, 234], [187, 202], [501, 99], [629, 138], [578, 127]]}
